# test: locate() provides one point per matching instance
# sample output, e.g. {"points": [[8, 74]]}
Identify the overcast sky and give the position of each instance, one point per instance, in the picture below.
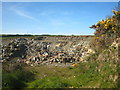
{"points": [[64, 18]]}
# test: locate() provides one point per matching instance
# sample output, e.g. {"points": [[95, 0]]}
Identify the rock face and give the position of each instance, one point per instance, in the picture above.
{"points": [[48, 50]]}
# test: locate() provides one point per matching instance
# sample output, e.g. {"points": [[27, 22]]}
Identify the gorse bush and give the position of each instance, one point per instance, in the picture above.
{"points": [[107, 30]]}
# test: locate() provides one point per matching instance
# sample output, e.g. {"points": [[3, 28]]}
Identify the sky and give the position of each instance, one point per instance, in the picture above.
{"points": [[56, 18]]}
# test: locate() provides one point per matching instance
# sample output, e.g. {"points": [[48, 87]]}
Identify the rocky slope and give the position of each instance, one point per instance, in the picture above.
{"points": [[47, 49]]}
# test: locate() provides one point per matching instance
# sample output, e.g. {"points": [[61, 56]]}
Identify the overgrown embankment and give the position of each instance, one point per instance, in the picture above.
{"points": [[91, 74]]}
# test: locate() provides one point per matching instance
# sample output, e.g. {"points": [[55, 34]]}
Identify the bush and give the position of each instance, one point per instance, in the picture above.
{"points": [[107, 30]]}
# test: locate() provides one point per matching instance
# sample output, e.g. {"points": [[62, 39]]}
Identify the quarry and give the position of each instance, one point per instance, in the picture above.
{"points": [[47, 50]]}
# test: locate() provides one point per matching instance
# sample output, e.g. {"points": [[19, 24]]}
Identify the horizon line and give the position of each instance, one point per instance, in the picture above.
{"points": [[59, 1], [48, 34]]}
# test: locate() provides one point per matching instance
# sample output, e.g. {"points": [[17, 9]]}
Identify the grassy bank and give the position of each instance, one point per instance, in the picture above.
{"points": [[89, 74]]}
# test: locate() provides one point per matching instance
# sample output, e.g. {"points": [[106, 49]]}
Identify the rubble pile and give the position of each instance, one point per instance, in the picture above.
{"points": [[47, 50], [16, 48]]}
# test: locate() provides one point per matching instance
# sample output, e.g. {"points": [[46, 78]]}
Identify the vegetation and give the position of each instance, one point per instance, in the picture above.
{"points": [[106, 31], [89, 74], [16, 78], [7, 36], [106, 41]]}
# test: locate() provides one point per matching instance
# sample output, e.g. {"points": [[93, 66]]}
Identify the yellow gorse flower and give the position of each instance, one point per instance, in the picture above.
{"points": [[102, 35], [106, 25], [103, 21], [113, 10], [75, 65], [116, 12], [97, 26], [96, 37], [113, 28]]}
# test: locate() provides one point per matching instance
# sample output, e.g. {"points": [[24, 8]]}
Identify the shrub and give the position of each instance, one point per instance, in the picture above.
{"points": [[107, 30]]}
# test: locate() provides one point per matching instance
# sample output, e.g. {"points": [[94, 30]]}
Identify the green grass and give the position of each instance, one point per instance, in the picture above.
{"points": [[16, 79], [87, 75], [2, 38], [49, 82]]}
